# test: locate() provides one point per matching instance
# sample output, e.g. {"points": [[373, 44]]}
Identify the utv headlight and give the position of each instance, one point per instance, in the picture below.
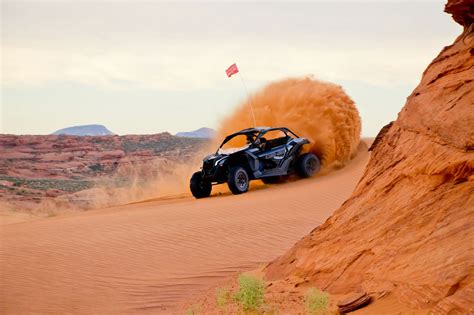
{"points": [[221, 162]]}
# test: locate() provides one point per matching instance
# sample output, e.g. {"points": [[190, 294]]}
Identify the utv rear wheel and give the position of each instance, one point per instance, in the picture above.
{"points": [[199, 187], [307, 165], [238, 180]]}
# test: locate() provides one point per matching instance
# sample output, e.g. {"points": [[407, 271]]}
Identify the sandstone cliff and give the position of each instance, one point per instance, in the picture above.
{"points": [[408, 227]]}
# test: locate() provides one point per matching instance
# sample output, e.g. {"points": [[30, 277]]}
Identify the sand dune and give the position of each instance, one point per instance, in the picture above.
{"points": [[150, 256]]}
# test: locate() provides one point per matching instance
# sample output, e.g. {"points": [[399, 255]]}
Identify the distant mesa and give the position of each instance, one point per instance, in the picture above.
{"points": [[85, 130], [200, 133]]}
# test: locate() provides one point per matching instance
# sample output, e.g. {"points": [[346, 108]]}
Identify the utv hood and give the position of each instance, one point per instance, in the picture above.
{"points": [[218, 157]]}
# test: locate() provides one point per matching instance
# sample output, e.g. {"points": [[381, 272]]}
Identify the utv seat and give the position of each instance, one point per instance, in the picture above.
{"points": [[270, 144]]}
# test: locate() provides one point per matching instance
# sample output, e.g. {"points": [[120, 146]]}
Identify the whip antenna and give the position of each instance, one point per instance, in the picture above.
{"points": [[233, 70]]}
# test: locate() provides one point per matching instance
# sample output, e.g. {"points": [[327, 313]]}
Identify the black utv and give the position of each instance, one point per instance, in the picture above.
{"points": [[262, 153]]}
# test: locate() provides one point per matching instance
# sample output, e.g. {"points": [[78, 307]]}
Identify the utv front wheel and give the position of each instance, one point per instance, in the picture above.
{"points": [[199, 187], [238, 180], [307, 165]]}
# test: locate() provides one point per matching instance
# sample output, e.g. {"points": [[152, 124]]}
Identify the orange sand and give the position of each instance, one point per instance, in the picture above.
{"points": [[151, 256]]}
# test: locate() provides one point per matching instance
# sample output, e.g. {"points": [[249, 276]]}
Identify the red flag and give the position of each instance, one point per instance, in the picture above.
{"points": [[232, 70]]}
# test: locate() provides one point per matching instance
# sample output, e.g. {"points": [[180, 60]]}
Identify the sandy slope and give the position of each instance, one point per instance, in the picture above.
{"points": [[152, 255]]}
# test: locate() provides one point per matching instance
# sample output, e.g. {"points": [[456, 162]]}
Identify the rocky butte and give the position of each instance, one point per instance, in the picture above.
{"points": [[408, 228]]}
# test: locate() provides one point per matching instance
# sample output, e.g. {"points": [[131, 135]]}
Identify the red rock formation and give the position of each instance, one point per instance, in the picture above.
{"points": [[36, 167], [65, 157], [408, 227], [462, 11]]}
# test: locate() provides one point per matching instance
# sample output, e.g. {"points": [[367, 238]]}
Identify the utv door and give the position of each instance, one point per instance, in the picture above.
{"points": [[274, 150], [273, 158]]}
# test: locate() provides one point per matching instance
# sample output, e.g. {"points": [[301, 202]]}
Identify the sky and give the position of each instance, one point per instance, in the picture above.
{"points": [[141, 67]]}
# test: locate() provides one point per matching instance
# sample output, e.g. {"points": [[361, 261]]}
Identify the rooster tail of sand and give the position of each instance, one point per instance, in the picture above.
{"points": [[319, 111]]}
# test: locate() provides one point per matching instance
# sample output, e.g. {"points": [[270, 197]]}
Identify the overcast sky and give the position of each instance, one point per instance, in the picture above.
{"points": [[149, 66]]}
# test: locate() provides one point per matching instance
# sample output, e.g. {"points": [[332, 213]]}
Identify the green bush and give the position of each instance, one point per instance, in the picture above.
{"points": [[251, 294], [66, 185], [316, 301], [223, 296], [192, 310], [96, 167]]}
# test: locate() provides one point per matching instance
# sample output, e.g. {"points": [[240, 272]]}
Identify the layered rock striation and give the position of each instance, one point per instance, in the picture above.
{"points": [[34, 167]]}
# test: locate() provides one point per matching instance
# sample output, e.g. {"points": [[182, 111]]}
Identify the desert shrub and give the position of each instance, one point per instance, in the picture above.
{"points": [[192, 310], [51, 214], [222, 296], [45, 184], [251, 294], [96, 167], [316, 301]]}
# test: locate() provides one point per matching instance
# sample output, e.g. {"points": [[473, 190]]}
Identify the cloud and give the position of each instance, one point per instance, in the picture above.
{"points": [[124, 45], [200, 64]]}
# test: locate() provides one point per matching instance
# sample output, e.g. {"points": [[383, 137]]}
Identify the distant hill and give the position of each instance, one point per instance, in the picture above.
{"points": [[85, 130], [200, 133]]}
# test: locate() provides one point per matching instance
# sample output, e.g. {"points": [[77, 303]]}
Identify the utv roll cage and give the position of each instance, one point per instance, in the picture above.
{"points": [[254, 135]]}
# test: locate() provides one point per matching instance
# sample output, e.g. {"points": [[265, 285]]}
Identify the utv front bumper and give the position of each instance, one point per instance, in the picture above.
{"points": [[214, 170]]}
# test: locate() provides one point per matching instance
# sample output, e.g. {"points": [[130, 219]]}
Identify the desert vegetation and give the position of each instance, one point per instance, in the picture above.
{"points": [[316, 301], [249, 296], [251, 293], [43, 184]]}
